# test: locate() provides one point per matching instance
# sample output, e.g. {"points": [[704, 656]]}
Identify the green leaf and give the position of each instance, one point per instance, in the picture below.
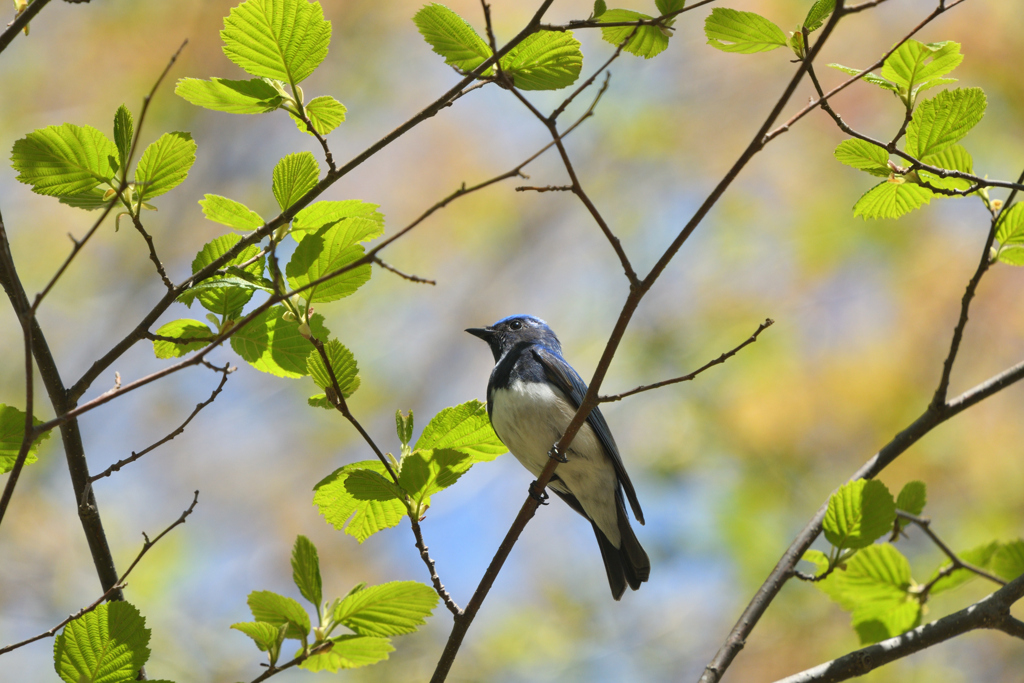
{"points": [[819, 12], [669, 6], [912, 498], [865, 156], [236, 278], [943, 120], [744, 32], [914, 62], [271, 608], [224, 301], [426, 472], [858, 513], [892, 199], [106, 645], [647, 42], [322, 214], [306, 571], [181, 329], [547, 60], [324, 112], [979, 556], [465, 428], [294, 176], [281, 39], [12, 432], [265, 635], [403, 425], [272, 344], [326, 251], [875, 586], [953, 158], [64, 160], [164, 165], [390, 609], [451, 37], [1012, 256], [349, 652], [818, 559], [1008, 561], [869, 77], [228, 212], [255, 96], [600, 7], [90, 200], [123, 131], [346, 371], [358, 499], [1011, 225]]}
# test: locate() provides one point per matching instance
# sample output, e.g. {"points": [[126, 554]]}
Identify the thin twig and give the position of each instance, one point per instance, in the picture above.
{"points": [[597, 23], [546, 188], [274, 670], [434, 578], [328, 157], [406, 276], [224, 371], [118, 585], [972, 287], [957, 563], [137, 222], [686, 378]]}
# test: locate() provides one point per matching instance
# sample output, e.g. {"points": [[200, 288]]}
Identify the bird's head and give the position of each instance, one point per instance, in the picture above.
{"points": [[505, 334]]}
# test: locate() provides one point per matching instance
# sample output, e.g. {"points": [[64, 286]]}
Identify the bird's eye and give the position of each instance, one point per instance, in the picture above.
{"points": [[515, 325]]}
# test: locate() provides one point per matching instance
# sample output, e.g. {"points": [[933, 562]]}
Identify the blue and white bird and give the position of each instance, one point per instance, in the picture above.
{"points": [[531, 398]]}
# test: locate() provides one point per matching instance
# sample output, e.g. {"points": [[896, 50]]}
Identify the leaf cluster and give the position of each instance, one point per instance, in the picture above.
{"points": [[873, 580], [362, 499], [372, 614]]}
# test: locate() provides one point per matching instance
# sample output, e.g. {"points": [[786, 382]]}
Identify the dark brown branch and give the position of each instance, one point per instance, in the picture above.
{"points": [[965, 303], [116, 588], [550, 122], [20, 22], [686, 378], [597, 23], [137, 222], [992, 612], [224, 371], [546, 188], [274, 670], [26, 319], [405, 276], [328, 157], [434, 578]]}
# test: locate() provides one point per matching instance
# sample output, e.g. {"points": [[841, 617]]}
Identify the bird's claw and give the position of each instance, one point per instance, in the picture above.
{"points": [[540, 496], [556, 454]]}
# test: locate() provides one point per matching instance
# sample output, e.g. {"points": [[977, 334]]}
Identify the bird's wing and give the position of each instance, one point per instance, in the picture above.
{"points": [[561, 374]]}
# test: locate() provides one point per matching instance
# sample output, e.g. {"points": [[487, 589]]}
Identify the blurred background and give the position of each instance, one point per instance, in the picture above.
{"points": [[728, 468]]}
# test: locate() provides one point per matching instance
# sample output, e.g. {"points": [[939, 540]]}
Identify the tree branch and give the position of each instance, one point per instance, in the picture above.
{"points": [[686, 378], [116, 467], [992, 612], [20, 22], [116, 588]]}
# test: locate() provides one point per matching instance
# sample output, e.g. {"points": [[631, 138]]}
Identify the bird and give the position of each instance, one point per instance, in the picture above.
{"points": [[532, 396]]}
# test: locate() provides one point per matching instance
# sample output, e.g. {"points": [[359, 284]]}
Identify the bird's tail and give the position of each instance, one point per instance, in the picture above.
{"points": [[627, 564]]}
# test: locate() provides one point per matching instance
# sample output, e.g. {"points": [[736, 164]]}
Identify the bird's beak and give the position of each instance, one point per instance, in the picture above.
{"points": [[482, 332]]}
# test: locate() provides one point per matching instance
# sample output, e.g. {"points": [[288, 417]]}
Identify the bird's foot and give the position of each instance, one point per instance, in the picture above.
{"points": [[556, 454], [539, 495]]}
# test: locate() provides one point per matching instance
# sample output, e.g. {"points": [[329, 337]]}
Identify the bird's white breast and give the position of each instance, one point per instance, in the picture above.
{"points": [[530, 417]]}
